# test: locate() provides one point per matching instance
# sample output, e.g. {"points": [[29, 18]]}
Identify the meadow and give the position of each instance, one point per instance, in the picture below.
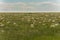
{"points": [[30, 26]]}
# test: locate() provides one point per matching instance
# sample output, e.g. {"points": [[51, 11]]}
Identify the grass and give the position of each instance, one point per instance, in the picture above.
{"points": [[29, 26]]}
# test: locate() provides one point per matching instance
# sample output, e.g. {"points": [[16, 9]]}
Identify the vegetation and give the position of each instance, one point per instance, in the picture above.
{"points": [[29, 26]]}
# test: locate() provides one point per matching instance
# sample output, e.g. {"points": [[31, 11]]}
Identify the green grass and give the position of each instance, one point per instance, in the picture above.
{"points": [[29, 26]]}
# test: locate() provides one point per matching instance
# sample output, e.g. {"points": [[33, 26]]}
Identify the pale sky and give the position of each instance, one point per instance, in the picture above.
{"points": [[29, 5]]}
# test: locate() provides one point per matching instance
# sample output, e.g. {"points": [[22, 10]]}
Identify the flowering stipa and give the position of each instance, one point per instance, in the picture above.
{"points": [[2, 31], [14, 23], [54, 25], [1, 24], [8, 22], [46, 15], [28, 20], [34, 21], [53, 20], [58, 16], [22, 19], [41, 17], [43, 24], [28, 25], [33, 18], [44, 21], [49, 20], [2, 18], [40, 22], [37, 18], [32, 25], [45, 18]]}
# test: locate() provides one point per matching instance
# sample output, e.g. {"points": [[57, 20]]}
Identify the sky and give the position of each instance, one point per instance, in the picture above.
{"points": [[29, 5]]}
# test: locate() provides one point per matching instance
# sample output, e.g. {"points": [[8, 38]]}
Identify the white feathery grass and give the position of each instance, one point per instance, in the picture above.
{"points": [[43, 24], [2, 31], [2, 18], [32, 25], [46, 15], [28, 20], [59, 17], [14, 23], [54, 25], [32, 17], [1, 24], [49, 20], [44, 21], [8, 22], [37, 18], [53, 20], [39, 22]]}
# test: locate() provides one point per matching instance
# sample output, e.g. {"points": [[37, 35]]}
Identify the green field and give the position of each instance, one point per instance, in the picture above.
{"points": [[30, 26]]}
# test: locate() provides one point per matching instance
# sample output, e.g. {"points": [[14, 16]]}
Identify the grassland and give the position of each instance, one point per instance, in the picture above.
{"points": [[30, 26]]}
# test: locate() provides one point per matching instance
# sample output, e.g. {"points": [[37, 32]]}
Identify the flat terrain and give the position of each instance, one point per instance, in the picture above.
{"points": [[30, 26]]}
